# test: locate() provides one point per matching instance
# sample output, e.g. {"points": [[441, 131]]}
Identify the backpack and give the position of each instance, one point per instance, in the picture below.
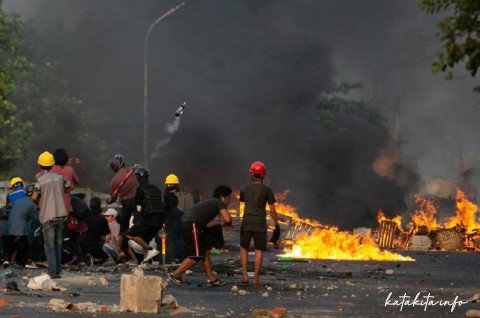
{"points": [[185, 201]]}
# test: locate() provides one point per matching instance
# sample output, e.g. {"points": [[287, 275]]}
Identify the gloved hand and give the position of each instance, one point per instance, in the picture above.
{"points": [[276, 234]]}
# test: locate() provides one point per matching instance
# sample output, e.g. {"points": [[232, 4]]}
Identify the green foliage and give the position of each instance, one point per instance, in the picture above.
{"points": [[37, 110], [459, 33], [14, 68], [335, 103]]}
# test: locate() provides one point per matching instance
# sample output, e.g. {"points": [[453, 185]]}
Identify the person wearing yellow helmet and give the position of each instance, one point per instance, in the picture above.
{"points": [[21, 214], [48, 194], [176, 203], [172, 180], [16, 184]]}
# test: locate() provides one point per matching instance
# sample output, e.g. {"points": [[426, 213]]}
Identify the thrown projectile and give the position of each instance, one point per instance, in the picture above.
{"points": [[180, 110]]}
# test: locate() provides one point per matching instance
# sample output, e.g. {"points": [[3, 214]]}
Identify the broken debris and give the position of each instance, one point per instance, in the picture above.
{"points": [[42, 282]]}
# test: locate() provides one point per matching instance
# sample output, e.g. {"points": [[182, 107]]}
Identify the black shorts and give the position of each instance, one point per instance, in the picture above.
{"points": [[198, 239], [259, 240], [145, 230]]}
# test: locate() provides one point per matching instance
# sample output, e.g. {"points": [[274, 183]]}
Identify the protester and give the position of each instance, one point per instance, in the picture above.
{"points": [[15, 236], [112, 241], [16, 184], [48, 194], [176, 203], [17, 192], [256, 195], [197, 244], [92, 240], [74, 226], [62, 168], [125, 185], [149, 198]]}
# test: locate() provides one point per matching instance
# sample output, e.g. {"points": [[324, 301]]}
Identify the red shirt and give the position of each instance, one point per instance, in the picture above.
{"points": [[71, 176], [129, 188]]}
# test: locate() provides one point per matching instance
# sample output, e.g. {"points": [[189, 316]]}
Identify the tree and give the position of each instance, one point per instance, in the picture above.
{"points": [[334, 103], [38, 112], [14, 68], [459, 33]]}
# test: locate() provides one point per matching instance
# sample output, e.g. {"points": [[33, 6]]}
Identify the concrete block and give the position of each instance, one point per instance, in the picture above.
{"points": [[141, 294]]}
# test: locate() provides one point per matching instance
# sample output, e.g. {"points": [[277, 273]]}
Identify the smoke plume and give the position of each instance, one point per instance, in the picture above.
{"points": [[255, 70], [170, 129]]}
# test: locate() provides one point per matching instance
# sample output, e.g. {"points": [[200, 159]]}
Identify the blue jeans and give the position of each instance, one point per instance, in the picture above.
{"points": [[110, 251], [53, 238]]}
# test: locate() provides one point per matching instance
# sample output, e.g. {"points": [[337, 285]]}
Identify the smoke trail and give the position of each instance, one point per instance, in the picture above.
{"points": [[170, 129]]}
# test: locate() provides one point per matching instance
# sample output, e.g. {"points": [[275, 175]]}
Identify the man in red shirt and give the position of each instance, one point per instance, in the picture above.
{"points": [[126, 192]]}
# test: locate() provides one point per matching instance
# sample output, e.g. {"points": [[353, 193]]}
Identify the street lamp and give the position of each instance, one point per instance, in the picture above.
{"points": [[145, 80]]}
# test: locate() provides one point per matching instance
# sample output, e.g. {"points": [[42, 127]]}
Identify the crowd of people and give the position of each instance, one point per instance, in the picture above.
{"points": [[46, 225]]}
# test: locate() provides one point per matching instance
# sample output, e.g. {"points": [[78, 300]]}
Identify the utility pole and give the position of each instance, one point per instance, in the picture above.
{"points": [[145, 80]]}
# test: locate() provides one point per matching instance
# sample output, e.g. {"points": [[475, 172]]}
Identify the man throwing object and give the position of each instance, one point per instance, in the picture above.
{"points": [[194, 226]]}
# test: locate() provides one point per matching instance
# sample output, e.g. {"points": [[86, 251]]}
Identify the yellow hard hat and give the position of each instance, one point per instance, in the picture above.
{"points": [[46, 159], [16, 180], [172, 179]]}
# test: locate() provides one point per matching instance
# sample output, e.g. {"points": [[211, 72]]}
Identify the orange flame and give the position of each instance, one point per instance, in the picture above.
{"points": [[330, 243], [425, 215], [290, 211], [465, 215], [397, 219]]}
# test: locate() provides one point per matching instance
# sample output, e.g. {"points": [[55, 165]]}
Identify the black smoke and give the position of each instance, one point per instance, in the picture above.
{"points": [[251, 73]]}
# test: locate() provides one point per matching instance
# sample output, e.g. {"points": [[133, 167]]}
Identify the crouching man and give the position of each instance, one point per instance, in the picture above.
{"points": [[194, 226], [112, 241]]}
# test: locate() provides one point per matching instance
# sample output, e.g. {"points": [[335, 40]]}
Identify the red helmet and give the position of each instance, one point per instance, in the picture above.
{"points": [[258, 168]]}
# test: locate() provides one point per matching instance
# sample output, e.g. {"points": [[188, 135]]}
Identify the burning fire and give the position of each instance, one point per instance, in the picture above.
{"points": [[397, 219], [425, 215], [327, 242], [290, 211], [330, 243], [465, 216]]}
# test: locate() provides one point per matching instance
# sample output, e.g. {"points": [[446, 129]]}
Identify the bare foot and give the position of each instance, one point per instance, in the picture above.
{"points": [[257, 284]]}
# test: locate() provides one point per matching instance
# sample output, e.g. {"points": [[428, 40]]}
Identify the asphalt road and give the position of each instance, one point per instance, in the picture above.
{"points": [[322, 288]]}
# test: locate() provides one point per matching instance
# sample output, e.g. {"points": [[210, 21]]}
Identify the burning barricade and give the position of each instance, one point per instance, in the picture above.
{"points": [[458, 232]]}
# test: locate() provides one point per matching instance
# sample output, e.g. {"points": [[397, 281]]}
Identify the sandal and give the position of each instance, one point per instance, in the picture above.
{"points": [[215, 283], [243, 283]]}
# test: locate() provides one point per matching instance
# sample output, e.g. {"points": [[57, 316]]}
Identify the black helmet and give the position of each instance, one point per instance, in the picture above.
{"points": [[142, 172], [116, 162]]}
